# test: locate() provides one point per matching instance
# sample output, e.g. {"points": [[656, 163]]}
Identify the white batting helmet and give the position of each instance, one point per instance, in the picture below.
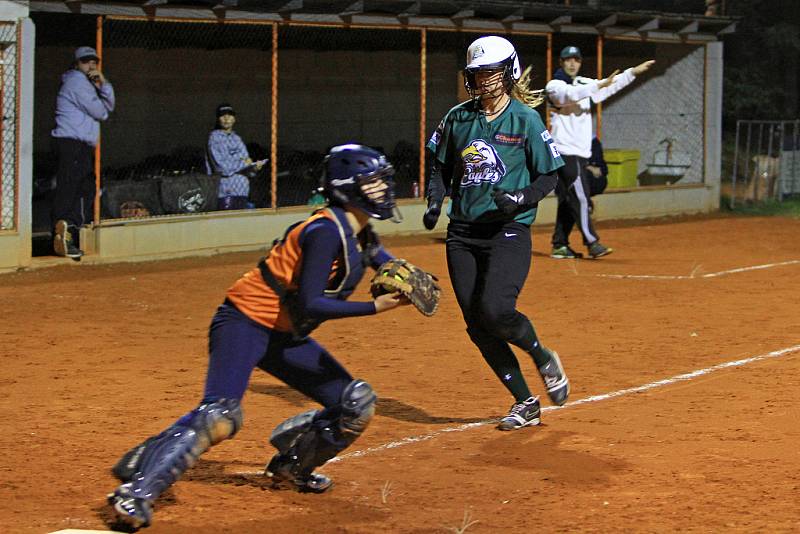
{"points": [[491, 53]]}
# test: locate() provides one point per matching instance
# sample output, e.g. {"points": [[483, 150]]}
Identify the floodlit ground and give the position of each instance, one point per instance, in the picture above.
{"points": [[96, 358]]}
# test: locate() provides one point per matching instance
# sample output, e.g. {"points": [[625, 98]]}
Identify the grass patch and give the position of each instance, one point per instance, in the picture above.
{"points": [[788, 208]]}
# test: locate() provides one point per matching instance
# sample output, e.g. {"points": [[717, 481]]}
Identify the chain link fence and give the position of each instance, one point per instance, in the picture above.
{"points": [[8, 125], [169, 78], [334, 85], [661, 115], [765, 162], [339, 85]]}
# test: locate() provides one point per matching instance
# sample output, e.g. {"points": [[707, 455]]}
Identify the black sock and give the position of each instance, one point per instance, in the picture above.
{"points": [[501, 359], [528, 342]]}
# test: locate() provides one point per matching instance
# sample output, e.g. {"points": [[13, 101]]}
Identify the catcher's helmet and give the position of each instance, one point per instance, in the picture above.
{"points": [[359, 176], [491, 53]]}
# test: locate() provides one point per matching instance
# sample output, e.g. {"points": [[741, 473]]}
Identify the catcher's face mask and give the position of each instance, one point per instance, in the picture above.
{"points": [[359, 176]]}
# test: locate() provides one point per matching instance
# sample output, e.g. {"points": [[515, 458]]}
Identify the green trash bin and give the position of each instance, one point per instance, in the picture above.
{"points": [[623, 167]]}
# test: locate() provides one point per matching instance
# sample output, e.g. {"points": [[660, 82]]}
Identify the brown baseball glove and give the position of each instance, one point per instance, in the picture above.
{"points": [[418, 286], [133, 208]]}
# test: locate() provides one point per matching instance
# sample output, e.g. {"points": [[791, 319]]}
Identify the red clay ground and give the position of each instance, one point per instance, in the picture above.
{"points": [[95, 358]]}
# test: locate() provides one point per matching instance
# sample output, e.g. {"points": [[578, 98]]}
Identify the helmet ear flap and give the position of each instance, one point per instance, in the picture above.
{"points": [[469, 82], [516, 70]]}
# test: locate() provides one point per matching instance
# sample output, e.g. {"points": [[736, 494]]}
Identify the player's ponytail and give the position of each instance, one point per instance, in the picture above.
{"points": [[532, 98]]}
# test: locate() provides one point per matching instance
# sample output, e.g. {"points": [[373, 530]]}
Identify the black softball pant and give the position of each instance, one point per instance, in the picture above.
{"points": [[75, 183], [572, 191], [488, 265]]}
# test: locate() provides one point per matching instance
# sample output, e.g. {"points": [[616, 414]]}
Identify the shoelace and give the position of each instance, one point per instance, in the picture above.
{"points": [[517, 408], [551, 380]]}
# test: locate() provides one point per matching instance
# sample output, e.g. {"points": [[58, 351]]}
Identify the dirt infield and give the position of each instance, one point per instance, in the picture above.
{"points": [[97, 358]]}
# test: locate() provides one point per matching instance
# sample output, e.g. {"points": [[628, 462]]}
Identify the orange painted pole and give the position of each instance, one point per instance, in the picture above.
{"points": [[423, 104], [273, 149], [600, 77], [97, 162]]}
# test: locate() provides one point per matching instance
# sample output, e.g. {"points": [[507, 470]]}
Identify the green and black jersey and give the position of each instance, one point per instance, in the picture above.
{"points": [[506, 153]]}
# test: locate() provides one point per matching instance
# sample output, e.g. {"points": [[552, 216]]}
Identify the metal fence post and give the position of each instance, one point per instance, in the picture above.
{"points": [[732, 200]]}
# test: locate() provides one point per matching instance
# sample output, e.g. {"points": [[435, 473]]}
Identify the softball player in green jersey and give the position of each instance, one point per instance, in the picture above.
{"points": [[498, 161]]}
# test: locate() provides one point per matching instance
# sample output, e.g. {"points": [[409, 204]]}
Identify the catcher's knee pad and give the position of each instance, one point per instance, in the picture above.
{"points": [[170, 454], [358, 407]]}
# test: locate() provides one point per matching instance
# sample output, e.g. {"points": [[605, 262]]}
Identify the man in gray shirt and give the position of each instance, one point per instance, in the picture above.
{"points": [[84, 99]]}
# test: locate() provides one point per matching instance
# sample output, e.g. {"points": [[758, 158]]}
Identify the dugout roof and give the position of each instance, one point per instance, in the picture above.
{"points": [[611, 18]]}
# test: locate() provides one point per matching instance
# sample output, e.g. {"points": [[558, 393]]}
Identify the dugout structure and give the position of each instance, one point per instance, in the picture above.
{"points": [[307, 75]]}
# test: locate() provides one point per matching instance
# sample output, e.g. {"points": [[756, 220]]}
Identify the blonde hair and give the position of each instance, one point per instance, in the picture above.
{"points": [[532, 98]]}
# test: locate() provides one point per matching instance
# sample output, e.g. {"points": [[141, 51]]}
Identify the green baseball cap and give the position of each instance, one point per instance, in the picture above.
{"points": [[571, 51]]}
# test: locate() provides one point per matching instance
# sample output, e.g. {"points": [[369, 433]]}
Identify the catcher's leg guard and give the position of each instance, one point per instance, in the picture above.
{"points": [[164, 458], [128, 465], [285, 434], [304, 444]]}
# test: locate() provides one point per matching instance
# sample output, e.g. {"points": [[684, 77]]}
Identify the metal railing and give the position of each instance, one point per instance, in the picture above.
{"points": [[766, 161], [8, 126]]}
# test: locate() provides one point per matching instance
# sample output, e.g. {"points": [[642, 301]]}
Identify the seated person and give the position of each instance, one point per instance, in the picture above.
{"points": [[227, 156]]}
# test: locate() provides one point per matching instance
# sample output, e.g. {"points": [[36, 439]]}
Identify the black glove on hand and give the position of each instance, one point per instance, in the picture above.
{"points": [[432, 213], [511, 201], [527, 197]]}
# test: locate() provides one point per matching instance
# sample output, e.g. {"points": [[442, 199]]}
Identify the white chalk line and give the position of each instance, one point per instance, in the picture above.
{"points": [[692, 275], [594, 398]]}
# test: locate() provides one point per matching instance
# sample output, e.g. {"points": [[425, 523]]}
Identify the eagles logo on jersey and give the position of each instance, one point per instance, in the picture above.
{"points": [[481, 164]]}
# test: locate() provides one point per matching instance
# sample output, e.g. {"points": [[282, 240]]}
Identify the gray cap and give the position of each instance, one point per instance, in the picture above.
{"points": [[85, 52], [571, 51]]}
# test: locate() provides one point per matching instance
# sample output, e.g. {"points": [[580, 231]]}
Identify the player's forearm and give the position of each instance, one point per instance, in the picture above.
{"points": [[321, 247], [380, 257], [323, 308], [436, 187], [560, 93], [620, 82], [542, 186], [512, 202]]}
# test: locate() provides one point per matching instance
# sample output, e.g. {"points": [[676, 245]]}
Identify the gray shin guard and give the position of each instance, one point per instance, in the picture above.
{"points": [[307, 446], [285, 435], [165, 459]]}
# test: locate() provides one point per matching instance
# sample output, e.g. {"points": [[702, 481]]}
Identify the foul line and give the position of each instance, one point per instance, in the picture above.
{"points": [[586, 400], [694, 276]]}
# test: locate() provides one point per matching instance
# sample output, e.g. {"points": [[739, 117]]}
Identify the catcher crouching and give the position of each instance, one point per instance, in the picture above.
{"points": [[265, 322]]}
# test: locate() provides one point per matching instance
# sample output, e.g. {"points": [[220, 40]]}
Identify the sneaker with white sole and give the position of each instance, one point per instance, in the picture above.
{"points": [[555, 379], [598, 250], [63, 245], [565, 253], [522, 414]]}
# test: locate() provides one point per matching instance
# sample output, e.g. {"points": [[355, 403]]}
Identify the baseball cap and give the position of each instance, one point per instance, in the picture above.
{"points": [[84, 52], [571, 51], [225, 109]]}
